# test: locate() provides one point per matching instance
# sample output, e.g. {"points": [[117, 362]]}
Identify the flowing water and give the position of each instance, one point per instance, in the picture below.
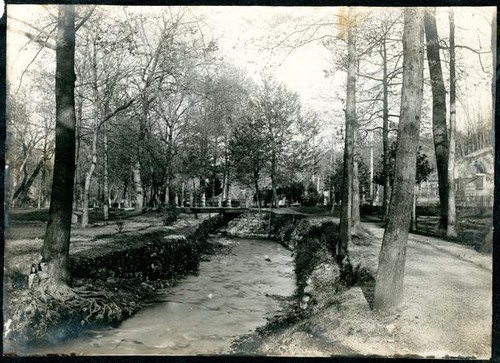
{"points": [[230, 296]]}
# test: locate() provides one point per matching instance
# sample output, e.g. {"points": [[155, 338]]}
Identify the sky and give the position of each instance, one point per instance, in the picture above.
{"points": [[245, 35]]}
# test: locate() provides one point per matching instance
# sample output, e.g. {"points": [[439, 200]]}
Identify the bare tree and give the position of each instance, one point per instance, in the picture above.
{"points": [[390, 274], [350, 125], [439, 129], [57, 236], [379, 73], [102, 69], [451, 217]]}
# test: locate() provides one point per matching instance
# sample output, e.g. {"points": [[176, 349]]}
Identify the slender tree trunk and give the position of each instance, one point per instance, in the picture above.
{"points": [[167, 190], [88, 180], [385, 135], [414, 213], [227, 184], [256, 184], [224, 174], [105, 186], [168, 168], [57, 235], [21, 194], [356, 218], [372, 188], [332, 189], [93, 155], [26, 155], [183, 191], [43, 188], [439, 129], [494, 82], [450, 228], [350, 125], [273, 174], [77, 194], [493, 234], [136, 168], [389, 282], [139, 191], [124, 195], [214, 168]]}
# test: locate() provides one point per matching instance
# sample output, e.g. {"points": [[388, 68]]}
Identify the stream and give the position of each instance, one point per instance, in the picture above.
{"points": [[230, 296]]}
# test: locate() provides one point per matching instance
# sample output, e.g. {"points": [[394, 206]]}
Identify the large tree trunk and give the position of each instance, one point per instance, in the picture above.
{"points": [[450, 226], [439, 129], [350, 125], [57, 235], [88, 180], [389, 282]]}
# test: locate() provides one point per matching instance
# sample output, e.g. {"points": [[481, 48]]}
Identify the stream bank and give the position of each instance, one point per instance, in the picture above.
{"points": [[230, 295], [322, 279], [446, 311], [113, 274]]}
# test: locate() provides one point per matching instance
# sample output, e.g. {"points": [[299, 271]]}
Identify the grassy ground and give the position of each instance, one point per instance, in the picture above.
{"points": [[31, 223]]}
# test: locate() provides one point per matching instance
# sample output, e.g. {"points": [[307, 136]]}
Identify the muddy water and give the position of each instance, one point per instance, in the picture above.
{"points": [[230, 297]]}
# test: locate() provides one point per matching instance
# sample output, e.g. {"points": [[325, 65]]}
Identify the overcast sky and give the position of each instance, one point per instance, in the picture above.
{"points": [[243, 32]]}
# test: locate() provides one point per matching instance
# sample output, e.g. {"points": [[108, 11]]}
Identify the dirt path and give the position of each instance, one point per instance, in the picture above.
{"points": [[446, 309]]}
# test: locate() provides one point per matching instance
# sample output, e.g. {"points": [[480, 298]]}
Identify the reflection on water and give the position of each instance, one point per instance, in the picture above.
{"points": [[202, 314]]}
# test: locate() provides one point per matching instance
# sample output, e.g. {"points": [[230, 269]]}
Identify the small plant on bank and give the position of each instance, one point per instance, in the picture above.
{"points": [[119, 226], [169, 214]]}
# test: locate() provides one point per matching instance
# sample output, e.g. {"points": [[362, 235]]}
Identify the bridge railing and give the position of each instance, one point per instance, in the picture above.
{"points": [[217, 203]]}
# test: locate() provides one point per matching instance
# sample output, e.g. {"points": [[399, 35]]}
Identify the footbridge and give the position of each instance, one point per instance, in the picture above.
{"points": [[241, 210]]}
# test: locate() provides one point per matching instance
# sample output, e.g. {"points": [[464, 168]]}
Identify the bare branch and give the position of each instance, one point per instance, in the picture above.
{"points": [[85, 18], [39, 30], [472, 49], [370, 77], [26, 69], [35, 38], [117, 110]]}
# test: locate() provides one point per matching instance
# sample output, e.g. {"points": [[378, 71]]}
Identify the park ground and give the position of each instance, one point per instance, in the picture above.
{"points": [[446, 310]]}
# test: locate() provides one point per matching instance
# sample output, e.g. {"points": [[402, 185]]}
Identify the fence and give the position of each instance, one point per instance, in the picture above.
{"points": [[469, 201]]}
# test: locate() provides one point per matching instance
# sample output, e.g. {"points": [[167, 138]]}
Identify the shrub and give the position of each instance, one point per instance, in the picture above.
{"points": [[169, 214], [315, 245]]}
